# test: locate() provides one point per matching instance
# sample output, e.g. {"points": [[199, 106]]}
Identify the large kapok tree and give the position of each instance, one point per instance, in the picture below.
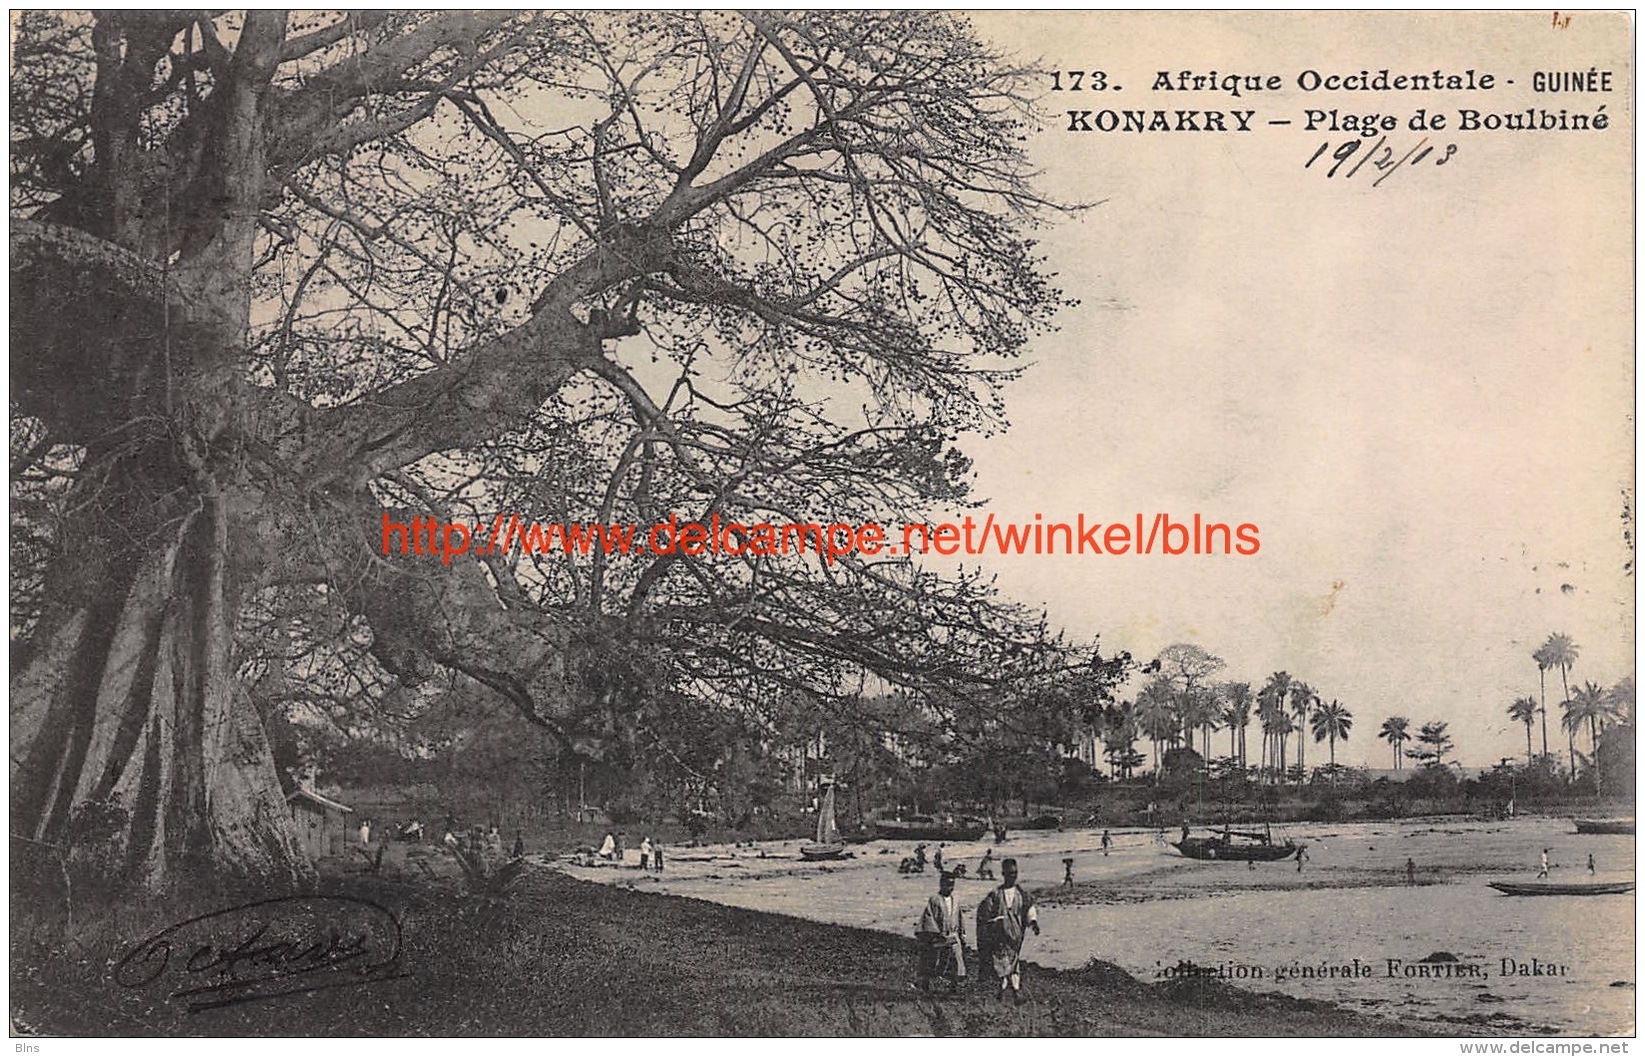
{"points": [[275, 277]]}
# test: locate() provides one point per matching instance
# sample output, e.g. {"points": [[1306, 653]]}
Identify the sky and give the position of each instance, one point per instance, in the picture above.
{"points": [[1422, 393]]}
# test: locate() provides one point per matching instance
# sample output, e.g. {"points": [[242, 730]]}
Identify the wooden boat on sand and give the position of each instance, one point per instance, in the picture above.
{"points": [[1032, 822], [1232, 845], [1548, 888], [1594, 825], [924, 827]]}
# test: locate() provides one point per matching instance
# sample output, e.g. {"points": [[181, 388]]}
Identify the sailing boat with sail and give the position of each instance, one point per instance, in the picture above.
{"points": [[828, 844]]}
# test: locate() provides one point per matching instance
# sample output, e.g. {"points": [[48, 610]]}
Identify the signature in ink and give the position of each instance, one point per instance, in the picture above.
{"points": [[268, 949]]}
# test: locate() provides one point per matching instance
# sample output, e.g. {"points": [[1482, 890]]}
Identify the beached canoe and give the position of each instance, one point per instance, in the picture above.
{"points": [[924, 827], [1593, 825], [1227, 850], [1546, 888], [1046, 821]]}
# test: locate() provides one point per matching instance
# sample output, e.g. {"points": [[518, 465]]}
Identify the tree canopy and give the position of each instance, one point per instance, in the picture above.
{"points": [[275, 277]]}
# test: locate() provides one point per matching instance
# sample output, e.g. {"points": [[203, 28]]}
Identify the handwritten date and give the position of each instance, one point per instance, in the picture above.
{"points": [[1380, 159]]}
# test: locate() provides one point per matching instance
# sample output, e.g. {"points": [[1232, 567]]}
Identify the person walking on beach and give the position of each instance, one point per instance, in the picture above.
{"points": [[1107, 842], [1410, 871], [936, 859], [1003, 919], [985, 869], [1068, 872], [1590, 864], [645, 853], [942, 938], [1542, 874], [1302, 853], [657, 856]]}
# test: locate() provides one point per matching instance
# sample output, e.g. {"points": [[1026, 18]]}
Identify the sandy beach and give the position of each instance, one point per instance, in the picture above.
{"points": [[1267, 928], [565, 958]]}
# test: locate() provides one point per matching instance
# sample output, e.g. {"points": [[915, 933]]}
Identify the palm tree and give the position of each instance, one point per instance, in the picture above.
{"points": [[1570, 723], [1271, 700], [1303, 700], [1561, 652], [1237, 714], [1283, 726], [1200, 711], [1591, 705], [1118, 730], [1540, 656], [1622, 700], [1331, 722], [1156, 716], [1396, 733], [1524, 710]]}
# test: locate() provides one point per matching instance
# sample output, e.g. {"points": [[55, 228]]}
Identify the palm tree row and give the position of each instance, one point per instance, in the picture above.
{"points": [[1558, 652], [1179, 701], [1396, 731], [1287, 706], [1592, 707]]}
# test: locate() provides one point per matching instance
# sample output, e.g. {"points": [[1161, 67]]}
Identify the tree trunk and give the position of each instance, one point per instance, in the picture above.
{"points": [[1593, 741], [1570, 735], [127, 700], [1542, 682]]}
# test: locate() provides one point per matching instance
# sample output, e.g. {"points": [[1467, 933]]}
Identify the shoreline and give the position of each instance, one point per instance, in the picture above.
{"points": [[746, 941], [562, 957], [1144, 907]]}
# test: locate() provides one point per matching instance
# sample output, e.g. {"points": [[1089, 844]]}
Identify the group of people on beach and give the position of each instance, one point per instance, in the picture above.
{"points": [[1003, 920], [651, 852], [1542, 871], [916, 863]]}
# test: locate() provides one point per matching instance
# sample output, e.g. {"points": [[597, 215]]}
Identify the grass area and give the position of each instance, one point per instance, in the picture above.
{"points": [[567, 958]]}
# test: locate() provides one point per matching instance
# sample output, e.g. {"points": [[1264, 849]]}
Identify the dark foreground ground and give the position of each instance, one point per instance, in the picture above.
{"points": [[567, 958]]}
